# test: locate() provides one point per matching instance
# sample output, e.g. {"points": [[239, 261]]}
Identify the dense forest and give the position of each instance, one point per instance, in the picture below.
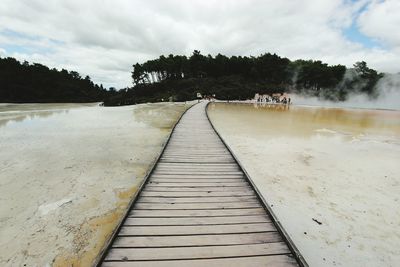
{"points": [[179, 78], [36, 83]]}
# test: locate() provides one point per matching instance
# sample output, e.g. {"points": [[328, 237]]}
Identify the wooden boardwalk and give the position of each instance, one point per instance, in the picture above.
{"points": [[198, 208]]}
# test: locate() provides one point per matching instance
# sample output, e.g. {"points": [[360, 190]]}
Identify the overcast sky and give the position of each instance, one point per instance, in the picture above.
{"points": [[103, 39]]}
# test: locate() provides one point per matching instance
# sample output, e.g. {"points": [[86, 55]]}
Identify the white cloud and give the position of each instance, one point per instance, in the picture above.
{"points": [[381, 20], [104, 38]]}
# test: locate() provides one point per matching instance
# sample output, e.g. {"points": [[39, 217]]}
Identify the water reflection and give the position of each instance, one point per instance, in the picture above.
{"points": [[21, 112], [306, 121], [157, 115], [271, 106], [6, 117]]}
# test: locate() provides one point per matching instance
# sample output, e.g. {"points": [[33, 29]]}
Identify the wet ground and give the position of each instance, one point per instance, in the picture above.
{"points": [[331, 175], [67, 173]]}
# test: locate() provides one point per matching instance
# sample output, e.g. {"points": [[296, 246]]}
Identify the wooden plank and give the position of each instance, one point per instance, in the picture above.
{"points": [[196, 230], [196, 180], [188, 167], [197, 206], [198, 165], [195, 185], [258, 261], [204, 161], [197, 175], [206, 252], [185, 193], [198, 220], [205, 172], [198, 171], [210, 189], [177, 175], [197, 240], [197, 150], [196, 158], [189, 153], [197, 154], [188, 147], [145, 199], [196, 213]]}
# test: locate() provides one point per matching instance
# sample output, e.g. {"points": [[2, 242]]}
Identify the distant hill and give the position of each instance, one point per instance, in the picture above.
{"points": [[29, 83], [180, 78]]}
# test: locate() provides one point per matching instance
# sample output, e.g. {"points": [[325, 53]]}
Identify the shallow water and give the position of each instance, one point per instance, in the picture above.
{"points": [[67, 173], [298, 121], [338, 167]]}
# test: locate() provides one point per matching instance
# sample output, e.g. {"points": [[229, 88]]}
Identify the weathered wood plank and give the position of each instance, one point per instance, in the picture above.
{"points": [[196, 180], [197, 160], [197, 206], [196, 230], [216, 171], [188, 153], [196, 213], [198, 220], [197, 240], [259, 261], [206, 252], [197, 164], [195, 185], [200, 172], [210, 189], [197, 176], [185, 193], [145, 199]]}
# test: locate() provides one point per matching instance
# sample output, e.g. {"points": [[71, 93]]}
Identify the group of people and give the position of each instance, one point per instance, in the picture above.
{"points": [[275, 98]]}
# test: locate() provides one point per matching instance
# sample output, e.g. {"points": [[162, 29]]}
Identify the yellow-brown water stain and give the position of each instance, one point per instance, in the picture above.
{"points": [[127, 194], [297, 121], [92, 235]]}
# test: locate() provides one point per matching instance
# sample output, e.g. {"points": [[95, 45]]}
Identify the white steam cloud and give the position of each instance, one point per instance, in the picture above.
{"points": [[389, 97]]}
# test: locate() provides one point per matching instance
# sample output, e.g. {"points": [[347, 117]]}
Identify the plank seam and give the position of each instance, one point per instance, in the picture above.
{"points": [[205, 258]]}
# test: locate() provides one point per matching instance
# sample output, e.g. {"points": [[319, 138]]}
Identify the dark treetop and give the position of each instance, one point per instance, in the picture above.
{"points": [[180, 78], [36, 83]]}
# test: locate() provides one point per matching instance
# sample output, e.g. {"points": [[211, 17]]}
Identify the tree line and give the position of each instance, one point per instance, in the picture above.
{"points": [[239, 77], [36, 83], [179, 78]]}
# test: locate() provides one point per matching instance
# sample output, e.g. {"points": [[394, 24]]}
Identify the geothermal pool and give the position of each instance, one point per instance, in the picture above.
{"points": [[331, 175], [67, 172]]}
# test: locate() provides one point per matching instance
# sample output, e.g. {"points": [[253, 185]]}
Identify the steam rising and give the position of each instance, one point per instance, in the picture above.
{"points": [[388, 89]]}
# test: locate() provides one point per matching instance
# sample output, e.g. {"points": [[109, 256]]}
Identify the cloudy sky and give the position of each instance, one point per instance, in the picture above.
{"points": [[102, 38]]}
